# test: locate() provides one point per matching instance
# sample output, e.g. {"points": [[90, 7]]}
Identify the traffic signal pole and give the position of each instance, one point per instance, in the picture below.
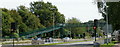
{"points": [[96, 44], [95, 32], [95, 28], [13, 30]]}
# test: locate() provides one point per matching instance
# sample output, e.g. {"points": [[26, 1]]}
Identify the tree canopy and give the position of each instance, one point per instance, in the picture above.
{"points": [[38, 16], [113, 12], [47, 13]]}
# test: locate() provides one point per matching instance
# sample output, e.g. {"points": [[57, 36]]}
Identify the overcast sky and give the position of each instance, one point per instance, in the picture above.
{"points": [[84, 10]]}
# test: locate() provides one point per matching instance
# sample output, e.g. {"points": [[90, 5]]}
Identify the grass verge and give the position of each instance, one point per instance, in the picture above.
{"points": [[111, 44]]}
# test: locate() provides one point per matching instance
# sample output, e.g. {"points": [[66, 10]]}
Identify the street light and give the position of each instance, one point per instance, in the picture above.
{"points": [[106, 13], [53, 20], [107, 22]]}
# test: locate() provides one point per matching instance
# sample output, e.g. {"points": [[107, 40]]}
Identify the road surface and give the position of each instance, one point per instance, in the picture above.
{"points": [[76, 44]]}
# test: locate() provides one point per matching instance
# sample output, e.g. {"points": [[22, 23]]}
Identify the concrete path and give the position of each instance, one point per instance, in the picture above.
{"points": [[86, 42], [117, 45]]}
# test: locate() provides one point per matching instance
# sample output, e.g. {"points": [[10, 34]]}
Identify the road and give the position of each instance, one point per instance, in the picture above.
{"points": [[76, 44], [55, 41]]}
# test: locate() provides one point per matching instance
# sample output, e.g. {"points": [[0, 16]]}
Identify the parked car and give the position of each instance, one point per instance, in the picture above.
{"points": [[49, 39], [66, 39], [37, 41]]}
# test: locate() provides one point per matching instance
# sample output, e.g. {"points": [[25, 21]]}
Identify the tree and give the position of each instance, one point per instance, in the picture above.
{"points": [[73, 20], [113, 12], [6, 22], [29, 19], [16, 35], [76, 31], [17, 19], [47, 13], [38, 16]]}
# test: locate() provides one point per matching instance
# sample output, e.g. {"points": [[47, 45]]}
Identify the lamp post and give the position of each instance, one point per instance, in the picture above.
{"points": [[53, 20], [106, 13], [107, 22]]}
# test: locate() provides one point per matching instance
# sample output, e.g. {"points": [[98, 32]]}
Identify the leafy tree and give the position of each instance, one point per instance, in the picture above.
{"points": [[23, 28], [29, 19], [73, 20], [6, 22], [38, 16], [113, 12], [17, 19], [76, 31], [16, 35], [47, 13]]}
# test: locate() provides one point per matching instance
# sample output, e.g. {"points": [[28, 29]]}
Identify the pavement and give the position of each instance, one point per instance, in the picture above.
{"points": [[49, 43], [55, 41], [76, 43], [117, 45]]}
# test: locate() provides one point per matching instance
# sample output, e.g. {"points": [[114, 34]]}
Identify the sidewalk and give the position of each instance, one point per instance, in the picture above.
{"points": [[117, 45], [60, 41], [75, 43]]}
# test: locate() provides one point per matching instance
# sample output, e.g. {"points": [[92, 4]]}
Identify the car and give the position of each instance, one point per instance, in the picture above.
{"points": [[66, 39], [49, 39], [39, 38], [37, 41]]}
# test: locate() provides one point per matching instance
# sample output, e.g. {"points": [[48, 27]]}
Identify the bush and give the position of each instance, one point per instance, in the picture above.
{"points": [[7, 37], [23, 37]]}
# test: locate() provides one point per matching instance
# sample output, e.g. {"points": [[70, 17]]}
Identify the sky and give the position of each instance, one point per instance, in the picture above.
{"points": [[84, 10]]}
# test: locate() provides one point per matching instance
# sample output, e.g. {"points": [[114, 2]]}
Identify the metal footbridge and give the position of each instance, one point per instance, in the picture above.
{"points": [[41, 31]]}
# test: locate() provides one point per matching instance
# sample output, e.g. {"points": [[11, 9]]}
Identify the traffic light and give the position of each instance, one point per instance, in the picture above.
{"points": [[83, 34], [13, 27], [95, 23], [95, 27]]}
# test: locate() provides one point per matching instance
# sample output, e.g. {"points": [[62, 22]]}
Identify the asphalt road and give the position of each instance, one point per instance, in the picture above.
{"points": [[76, 44]]}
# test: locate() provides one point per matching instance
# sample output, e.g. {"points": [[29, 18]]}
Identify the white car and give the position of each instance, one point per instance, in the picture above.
{"points": [[49, 39], [37, 41], [66, 39]]}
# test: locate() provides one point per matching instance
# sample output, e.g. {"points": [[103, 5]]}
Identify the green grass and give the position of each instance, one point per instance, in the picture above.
{"points": [[109, 44]]}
